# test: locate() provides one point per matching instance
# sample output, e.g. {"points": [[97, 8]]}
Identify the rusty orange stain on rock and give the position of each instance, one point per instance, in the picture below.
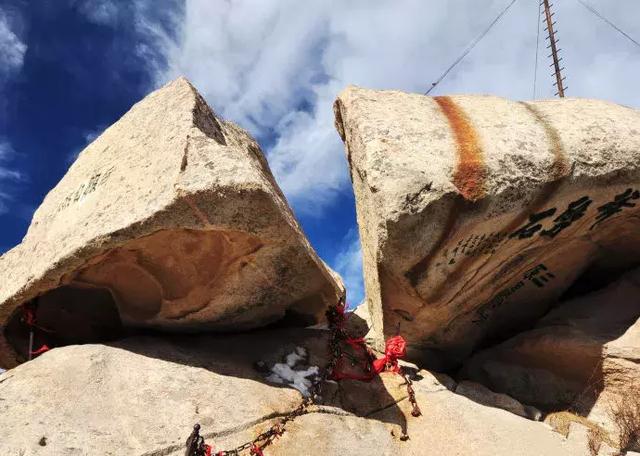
{"points": [[559, 170], [470, 171]]}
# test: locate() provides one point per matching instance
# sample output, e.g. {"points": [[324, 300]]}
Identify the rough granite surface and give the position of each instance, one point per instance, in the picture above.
{"points": [[476, 213], [176, 214]]}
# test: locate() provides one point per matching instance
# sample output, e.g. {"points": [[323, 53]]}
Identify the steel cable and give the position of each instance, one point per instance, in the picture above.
{"points": [[535, 70], [470, 47], [614, 26]]}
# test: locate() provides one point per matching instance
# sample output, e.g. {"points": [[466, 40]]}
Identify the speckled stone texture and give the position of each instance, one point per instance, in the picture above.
{"points": [[175, 214], [476, 213], [142, 396]]}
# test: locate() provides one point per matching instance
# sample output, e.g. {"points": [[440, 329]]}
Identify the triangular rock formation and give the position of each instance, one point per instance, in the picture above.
{"points": [[172, 220]]}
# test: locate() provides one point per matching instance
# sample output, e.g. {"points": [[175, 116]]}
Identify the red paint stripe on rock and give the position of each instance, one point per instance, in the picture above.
{"points": [[470, 174]]}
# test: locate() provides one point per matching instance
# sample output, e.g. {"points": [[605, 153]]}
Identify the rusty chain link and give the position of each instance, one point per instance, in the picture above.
{"points": [[336, 320]]}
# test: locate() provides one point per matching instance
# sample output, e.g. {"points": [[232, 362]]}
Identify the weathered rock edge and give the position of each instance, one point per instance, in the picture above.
{"points": [[170, 166], [435, 176]]}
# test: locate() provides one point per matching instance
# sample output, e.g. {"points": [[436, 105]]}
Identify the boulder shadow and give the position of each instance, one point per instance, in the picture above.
{"points": [[254, 355], [572, 354]]}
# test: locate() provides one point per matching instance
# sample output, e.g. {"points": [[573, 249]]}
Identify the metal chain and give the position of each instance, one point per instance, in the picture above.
{"points": [[336, 320], [415, 409]]}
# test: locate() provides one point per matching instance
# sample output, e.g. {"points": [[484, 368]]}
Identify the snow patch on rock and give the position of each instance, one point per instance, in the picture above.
{"points": [[301, 379]]}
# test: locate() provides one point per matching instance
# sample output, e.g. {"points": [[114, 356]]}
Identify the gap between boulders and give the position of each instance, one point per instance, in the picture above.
{"points": [[559, 362]]}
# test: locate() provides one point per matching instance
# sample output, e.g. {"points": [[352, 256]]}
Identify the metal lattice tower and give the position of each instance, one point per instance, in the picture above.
{"points": [[553, 44]]}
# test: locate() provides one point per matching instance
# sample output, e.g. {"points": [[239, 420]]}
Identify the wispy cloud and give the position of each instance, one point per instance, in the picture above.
{"points": [[12, 49], [6, 154], [8, 176], [102, 12], [12, 52], [276, 66], [154, 25]]}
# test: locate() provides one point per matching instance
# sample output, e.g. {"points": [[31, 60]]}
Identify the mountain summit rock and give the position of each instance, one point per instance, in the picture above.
{"points": [[477, 213], [170, 219]]}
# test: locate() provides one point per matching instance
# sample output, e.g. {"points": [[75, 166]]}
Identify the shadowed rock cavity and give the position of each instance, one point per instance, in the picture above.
{"points": [[187, 278], [65, 316], [584, 348], [175, 214]]}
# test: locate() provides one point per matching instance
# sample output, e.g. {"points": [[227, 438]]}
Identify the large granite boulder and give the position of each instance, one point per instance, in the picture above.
{"points": [[171, 219], [579, 356], [476, 213], [142, 396]]}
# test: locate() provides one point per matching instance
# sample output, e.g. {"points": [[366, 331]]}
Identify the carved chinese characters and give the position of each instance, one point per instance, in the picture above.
{"points": [[477, 213]]}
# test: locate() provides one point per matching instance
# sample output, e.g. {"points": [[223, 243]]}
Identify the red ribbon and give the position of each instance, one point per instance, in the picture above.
{"points": [[341, 310], [29, 317], [41, 350], [355, 342], [207, 450], [256, 451], [395, 348]]}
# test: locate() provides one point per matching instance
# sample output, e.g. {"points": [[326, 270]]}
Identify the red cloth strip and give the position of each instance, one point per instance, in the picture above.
{"points": [[395, 348], [41, 350]]}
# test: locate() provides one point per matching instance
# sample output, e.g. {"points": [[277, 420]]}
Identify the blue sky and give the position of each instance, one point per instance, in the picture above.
{"points": [[70, 68]]}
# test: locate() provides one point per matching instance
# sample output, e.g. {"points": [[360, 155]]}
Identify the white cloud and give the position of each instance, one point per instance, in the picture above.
{"points": [[276, 66], [348, 263], [8, 176], [152, 20], [102, 12], [308, 159], [12, 49], [6, 153], [258, 62]]}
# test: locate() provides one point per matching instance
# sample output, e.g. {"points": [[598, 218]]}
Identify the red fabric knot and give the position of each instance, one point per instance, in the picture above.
{"points": [[341, 310], [337, 376], [29, 315], [256, 451], [41, 350], [207, 450], [395, 348], [356, 342]]}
